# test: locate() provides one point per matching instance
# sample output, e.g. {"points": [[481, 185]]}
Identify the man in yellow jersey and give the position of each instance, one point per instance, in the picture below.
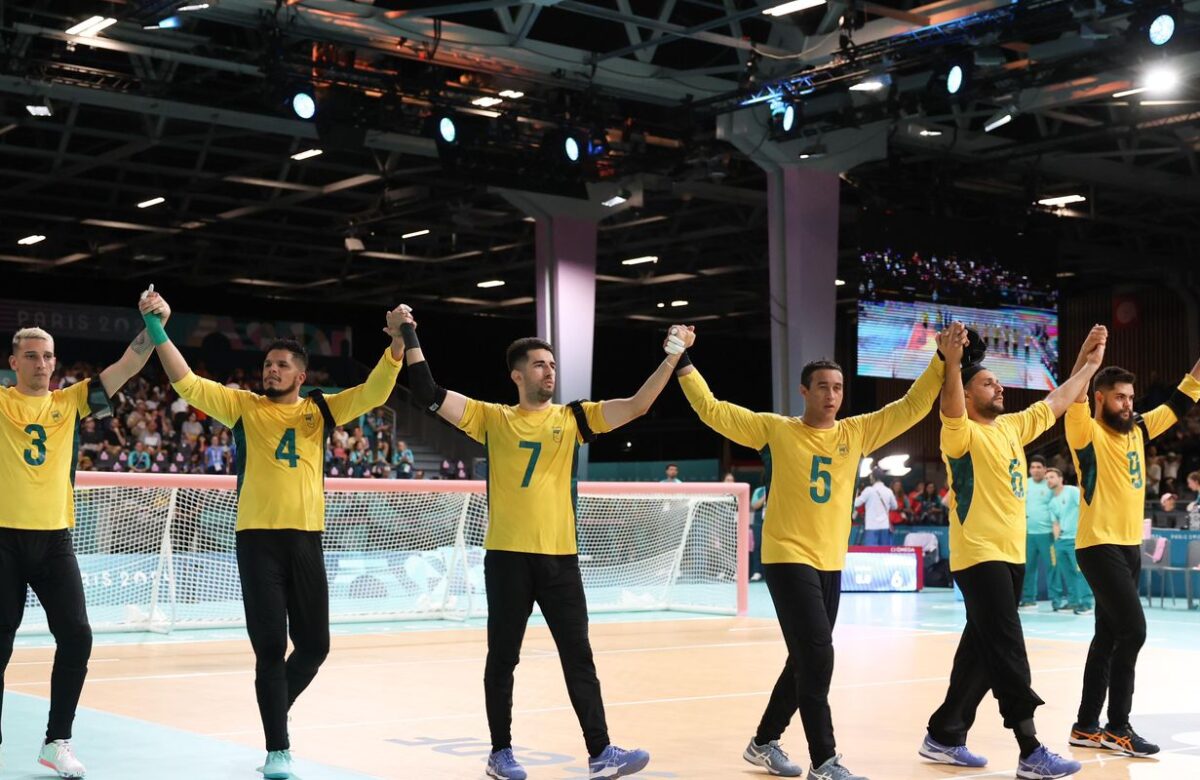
{"points": [[983, 449], [1109, 454], [39, 440], [280, 454], [531, 536], [812, 467]]}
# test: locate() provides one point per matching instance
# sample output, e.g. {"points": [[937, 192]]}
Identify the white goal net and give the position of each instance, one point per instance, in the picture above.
{"points": [[157, 551]]}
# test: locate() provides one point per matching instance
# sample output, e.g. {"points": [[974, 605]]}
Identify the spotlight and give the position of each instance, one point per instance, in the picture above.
{"points": [[785, 119], [571, 148], [447, 131], [1161, 79], [42, 109], [954, 79], [304, 104], [1161, 28], [813, 152]]}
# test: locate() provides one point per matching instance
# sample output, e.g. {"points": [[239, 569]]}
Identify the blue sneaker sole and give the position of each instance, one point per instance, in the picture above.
{"points": [[623, 771], [942, 758]]}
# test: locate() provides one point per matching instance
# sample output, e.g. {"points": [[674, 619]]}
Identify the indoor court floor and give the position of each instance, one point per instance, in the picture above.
{"points": [[404, 700]]}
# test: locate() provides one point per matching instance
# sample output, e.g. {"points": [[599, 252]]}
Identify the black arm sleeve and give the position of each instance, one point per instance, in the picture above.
{"points": [[1180, 403], [98, 400], [425, 392], [684, 361]]}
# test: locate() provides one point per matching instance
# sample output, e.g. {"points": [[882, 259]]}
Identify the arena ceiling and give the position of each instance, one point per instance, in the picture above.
{"points": [[196, 114]]}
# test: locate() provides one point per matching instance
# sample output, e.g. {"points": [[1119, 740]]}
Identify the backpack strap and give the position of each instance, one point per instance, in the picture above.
{"points": [[318, 398], [585, 431]]}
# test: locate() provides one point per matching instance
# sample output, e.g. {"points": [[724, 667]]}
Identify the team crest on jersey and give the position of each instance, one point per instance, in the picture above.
{"points": [[843, 450], [557, 435], [55, 415], [310, 420]]}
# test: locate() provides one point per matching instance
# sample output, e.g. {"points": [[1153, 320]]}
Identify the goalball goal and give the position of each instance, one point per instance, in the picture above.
{"points": [[157, 552]]}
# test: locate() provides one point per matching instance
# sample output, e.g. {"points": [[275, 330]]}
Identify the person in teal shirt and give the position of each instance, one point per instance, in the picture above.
{"points": [[1038, 539], [1064, 512]]}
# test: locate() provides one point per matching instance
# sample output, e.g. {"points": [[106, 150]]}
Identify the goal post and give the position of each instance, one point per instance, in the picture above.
{"points": [[157, 551]]}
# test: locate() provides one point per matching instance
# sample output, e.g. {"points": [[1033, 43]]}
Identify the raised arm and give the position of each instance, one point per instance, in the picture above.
{"points": [[736, 423], [210, 397], [950, 343], [448, 405], [1092, 353], [619, 411], [137, 353], [357, 400], [1159, 419]]}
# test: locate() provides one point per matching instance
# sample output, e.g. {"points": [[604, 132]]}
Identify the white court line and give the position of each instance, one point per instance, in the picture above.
{"points": [[635, 703], [1098, 760]]}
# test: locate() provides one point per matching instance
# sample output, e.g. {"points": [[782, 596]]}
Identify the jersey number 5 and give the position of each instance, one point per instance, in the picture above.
{"points": [[535, 448], [287, 448], [820, 481]]}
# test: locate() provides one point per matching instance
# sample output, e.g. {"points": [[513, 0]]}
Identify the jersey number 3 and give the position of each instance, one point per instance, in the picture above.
{"points": [[36, 455], [287, 448]]}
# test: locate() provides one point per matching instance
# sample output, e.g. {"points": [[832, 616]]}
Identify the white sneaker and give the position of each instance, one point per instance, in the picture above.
{"points": [[59, 756]]}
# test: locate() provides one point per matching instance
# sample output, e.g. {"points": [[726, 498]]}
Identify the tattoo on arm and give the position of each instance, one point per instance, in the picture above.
{"points": [[141, 344]]}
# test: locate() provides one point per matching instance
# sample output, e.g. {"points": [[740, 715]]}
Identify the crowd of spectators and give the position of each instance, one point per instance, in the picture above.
{"points": [[153, 430], [950, 279]]}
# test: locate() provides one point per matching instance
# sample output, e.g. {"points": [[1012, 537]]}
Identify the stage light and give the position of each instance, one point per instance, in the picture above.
{"points": [[1161, 79], [954, 79], [1000, 119], [304, 104], [447, 130], [813, 152], [1161, 29], [571, 148]]}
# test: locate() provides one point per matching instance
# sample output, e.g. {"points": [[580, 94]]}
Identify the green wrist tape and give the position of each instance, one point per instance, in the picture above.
{"points": [[154, 327]]}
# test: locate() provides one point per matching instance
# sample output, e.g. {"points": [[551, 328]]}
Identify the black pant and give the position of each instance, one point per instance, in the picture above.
{"points": [[284, 591], [514, 582], [45, 561], [1113, 571], [806, 602], [991, 655]]}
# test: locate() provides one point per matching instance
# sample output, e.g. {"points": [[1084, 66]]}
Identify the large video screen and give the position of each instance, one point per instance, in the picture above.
{"points": [[897, 339], [904, 299]]}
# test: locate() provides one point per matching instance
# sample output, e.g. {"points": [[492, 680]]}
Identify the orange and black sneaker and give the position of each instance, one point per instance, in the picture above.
{"points": [[1087, 736], [1126, 740]]}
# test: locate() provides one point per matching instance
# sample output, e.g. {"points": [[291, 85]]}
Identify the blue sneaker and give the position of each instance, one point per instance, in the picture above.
{"points": [[833, 770], [615, 762], [954, 755], [772, 758], [1045, 765], [278, 765], [503, 766]]}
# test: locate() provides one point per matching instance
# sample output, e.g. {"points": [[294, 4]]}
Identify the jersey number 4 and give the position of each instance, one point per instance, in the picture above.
{"points": [[287, 448]]}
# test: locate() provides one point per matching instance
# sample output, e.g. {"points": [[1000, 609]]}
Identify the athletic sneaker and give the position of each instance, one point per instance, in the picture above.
{"points": [[1083, 611], [615, 762], [833, 770], [772, 758], [503, 766], [1087, 736], [755, 577], [1027, 605], [278, 765], [1042, 764], [1061, 607], [954, 755], [59, 756], [1128, 742]]}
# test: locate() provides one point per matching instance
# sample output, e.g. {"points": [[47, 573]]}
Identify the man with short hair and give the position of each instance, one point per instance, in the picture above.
{"points": [[812, 462], [1038, 539], [532, 553], [983, 449], [38, 433], [877, 500], [1064, 511], [1109, 452], [672, 474], [280, 446]]}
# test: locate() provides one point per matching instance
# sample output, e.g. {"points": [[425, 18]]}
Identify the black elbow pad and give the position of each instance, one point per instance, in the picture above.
{"points": [[425, 392], [1180, 403]]}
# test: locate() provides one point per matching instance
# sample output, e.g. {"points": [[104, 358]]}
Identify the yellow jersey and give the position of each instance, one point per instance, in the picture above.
{"points": [[39, 445], [988, 474], [280, 448], [1112, 482], [811, 472], [532, 464]]}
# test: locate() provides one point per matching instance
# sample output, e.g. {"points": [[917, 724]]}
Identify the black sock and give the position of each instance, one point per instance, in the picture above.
{"points": [[1028, 743]]}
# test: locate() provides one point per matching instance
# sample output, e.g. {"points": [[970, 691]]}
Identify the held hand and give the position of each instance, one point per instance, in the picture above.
{"points": [[951, 342], [1095, 357], [396, 317], [151, 302], [679, 338]]}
